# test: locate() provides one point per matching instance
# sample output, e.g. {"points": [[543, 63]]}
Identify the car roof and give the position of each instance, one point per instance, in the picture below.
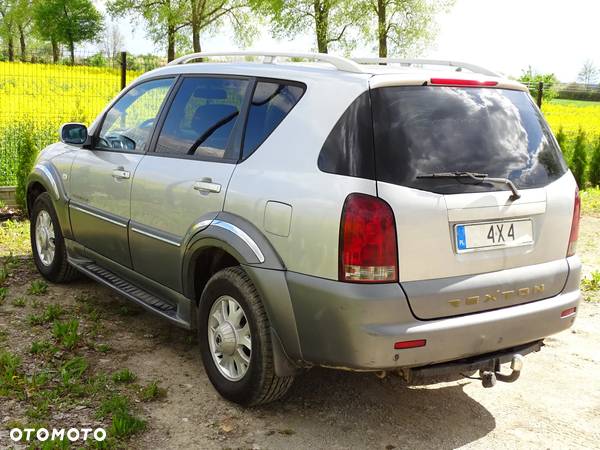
{"points": [[376, 72]]}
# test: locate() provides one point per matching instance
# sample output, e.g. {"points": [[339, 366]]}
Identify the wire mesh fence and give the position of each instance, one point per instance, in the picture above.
{"points": [[565, 91], [37, 95]]}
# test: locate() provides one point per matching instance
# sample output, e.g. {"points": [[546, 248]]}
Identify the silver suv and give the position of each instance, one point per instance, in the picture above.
{"points": [[364, 215]]}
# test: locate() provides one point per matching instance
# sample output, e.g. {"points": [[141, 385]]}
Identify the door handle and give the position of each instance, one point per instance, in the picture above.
{"points": [[120, 174], [206, 185]]}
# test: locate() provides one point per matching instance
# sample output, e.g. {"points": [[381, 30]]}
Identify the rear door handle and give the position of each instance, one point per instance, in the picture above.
{"points": [[206, 185], [121, 174]]}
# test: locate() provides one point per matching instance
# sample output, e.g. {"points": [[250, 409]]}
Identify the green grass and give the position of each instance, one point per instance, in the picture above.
{"points": [[66, 333], [14, 238], [124, 376], [10, 376], [50, 314], [73, 370], [38, 287], [125, 424], [152, 392], [590, 202], [591, 282], [19, 302], [576, 103], [3, 294], [42, 348], [103, 348]]}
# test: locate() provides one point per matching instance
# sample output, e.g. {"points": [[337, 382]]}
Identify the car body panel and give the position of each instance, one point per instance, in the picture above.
{"points": [[164, 205], [100, 206]]}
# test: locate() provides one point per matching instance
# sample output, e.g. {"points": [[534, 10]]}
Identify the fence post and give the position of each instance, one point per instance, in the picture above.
{"points": [[123, 70], [540, 93]]}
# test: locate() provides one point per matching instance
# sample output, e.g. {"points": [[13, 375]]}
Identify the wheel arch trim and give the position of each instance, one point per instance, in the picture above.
{"points": [[46, 176]]}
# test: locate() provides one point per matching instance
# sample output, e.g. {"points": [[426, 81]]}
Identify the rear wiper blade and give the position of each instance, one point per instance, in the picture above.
{"points": [[479, 177]]}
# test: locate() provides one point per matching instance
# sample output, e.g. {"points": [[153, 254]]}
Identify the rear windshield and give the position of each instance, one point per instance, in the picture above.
{"points": [[420, 130]]}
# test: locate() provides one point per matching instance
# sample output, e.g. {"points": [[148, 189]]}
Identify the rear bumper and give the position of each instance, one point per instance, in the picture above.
{"points": [[354, 327]]}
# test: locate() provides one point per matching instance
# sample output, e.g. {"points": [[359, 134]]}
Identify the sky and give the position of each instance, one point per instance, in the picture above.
{"points": [[504, 35]]}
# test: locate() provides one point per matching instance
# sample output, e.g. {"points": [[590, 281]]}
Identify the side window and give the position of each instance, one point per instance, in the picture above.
{"points": [[202, 117], [128, 124], [271, 102]]}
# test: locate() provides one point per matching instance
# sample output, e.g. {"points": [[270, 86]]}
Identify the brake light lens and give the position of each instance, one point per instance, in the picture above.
{"points": [[368, 250], [410, 344], [568, 312], [460, 82], [575, 225]]}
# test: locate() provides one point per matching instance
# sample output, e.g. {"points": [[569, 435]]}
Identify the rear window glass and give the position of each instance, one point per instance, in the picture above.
{"points": [[420, 130]]}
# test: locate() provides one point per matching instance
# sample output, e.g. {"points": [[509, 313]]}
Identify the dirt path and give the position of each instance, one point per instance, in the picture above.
{"points": [[554, 405]]}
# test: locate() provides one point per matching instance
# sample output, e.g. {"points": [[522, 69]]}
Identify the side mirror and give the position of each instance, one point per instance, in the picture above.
{"points": [[73, 133]]}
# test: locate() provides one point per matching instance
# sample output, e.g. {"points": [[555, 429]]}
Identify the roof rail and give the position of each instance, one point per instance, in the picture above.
{"points": [[340, 63], [430, 62]]}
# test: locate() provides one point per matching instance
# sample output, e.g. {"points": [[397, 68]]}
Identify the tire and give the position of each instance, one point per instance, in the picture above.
{"points": [[259, 384], [55, 268]]}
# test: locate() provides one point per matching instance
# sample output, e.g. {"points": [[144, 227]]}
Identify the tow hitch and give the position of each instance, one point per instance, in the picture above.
{"points": [[489, 377], [488, 365]]}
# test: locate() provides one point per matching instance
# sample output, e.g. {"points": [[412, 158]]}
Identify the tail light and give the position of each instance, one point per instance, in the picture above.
{"points": [[575, 225], [462, 82], [368, 250]]}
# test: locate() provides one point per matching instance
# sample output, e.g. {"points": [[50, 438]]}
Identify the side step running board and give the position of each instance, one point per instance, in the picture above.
{"points": [[132, 292]]}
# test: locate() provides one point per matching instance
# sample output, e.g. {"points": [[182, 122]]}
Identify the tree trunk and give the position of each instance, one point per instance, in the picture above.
{"points": [[23, 44], [170, 43], [382, 28], [11, 48], [72, 51], [55, 53], [322, 24], [195, 26]]}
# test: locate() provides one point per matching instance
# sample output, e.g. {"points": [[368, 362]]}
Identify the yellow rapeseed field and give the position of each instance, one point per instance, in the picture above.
{"points": [[573, 115], [36, 98], [58, 93], [55, 93]]}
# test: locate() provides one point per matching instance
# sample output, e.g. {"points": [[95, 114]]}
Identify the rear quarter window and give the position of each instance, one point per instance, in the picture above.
{"points": [[271, 103], [424, 129]]}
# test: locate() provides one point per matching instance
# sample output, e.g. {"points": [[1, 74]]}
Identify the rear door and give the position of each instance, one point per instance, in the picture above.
{"points": [[184, 180], [101, 177], [461, 242]]}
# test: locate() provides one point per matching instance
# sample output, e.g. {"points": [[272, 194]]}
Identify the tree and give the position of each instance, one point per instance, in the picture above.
{"points": [[67, 21], [404, 26], [208, 15], [112, 41], [579, 159], [594, 173], [164, 18], [8, 27], [329, 19], [588, 73], [532, 79], [168, 20]]}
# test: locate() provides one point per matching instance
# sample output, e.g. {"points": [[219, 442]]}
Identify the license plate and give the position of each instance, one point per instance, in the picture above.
{"points": [[491, 235]]}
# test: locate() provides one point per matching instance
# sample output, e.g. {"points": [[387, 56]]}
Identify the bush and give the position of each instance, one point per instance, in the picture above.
{"points": [[20, 144], [532, 79], [97, 60], [594, 171], [579, 159], [574, 92], [561, 138]]}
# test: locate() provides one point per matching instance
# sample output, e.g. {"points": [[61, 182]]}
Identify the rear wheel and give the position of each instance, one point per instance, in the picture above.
{"points": [[47, 242], [235, 340]]}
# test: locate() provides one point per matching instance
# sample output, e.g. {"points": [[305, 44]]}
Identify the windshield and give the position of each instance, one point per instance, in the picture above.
{"points": [[423, 129]]}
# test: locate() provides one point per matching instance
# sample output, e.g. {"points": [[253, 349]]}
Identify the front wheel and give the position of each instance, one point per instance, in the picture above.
{"points": [[48, 243], [235, 340]]}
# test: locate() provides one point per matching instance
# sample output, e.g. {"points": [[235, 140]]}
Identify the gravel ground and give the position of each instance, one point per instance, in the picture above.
{"points": [[554, 405]]}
